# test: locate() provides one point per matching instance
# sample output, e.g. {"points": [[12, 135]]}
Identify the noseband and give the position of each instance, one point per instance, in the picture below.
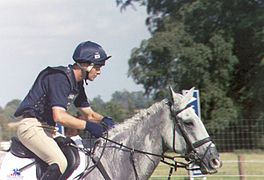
{"points": [[191, 155]]}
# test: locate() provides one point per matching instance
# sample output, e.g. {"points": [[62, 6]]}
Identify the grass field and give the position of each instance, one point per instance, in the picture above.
{"points": [[253, 166]]}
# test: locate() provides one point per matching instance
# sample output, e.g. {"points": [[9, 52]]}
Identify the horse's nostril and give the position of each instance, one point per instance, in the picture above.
{"points": [[215, 163]]}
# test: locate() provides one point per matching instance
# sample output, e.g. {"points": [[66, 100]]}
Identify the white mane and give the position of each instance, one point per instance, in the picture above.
{"points": [[128, 124]]}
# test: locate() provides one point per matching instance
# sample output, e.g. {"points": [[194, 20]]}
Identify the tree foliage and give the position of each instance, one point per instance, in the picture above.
{"points": [[6, 116], [216, 46], [122, 105], [10, 109]]}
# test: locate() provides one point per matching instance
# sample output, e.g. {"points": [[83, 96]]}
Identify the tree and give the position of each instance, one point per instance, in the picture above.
{"points": [[131, 100], [174, 58], [122, 105], [10, 109], [111, 108], [6, 117], [216, 46], [6, 132]]}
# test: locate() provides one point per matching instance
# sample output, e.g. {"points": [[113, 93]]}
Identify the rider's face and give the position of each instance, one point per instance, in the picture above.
{"points": [[95, 71]]}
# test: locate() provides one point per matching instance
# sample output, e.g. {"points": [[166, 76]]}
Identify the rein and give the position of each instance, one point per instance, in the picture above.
{"points": [[191, 157], [96, 161], [164, 158]]}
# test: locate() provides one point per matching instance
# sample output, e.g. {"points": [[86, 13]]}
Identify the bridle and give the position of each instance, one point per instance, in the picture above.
{"points": [[192, 155]]}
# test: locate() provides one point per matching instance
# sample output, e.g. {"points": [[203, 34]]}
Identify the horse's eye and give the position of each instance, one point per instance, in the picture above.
{"points": [[188, 123]]}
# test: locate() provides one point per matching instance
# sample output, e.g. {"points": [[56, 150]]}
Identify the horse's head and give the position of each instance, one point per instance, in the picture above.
{"points": [[189, 134]]}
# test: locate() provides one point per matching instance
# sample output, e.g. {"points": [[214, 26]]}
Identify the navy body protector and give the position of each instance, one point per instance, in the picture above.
{"points": [[36, 103]]}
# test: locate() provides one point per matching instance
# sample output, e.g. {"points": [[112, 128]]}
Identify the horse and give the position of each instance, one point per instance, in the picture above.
{"points": [[134, 148]]}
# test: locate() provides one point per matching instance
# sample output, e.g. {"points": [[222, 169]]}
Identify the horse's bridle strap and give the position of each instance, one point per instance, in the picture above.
{"points": [[201, 142], [192, 155]]}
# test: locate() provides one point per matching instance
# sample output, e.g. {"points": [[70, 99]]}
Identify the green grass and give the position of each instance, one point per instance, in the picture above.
{"points": [[253, 165]]}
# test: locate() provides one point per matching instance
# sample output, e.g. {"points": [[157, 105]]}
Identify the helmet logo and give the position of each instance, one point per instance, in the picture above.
{"points": [[97, 55]]}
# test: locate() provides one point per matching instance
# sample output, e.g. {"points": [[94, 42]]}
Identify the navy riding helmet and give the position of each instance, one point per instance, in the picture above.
{"points": [[90, 52]]}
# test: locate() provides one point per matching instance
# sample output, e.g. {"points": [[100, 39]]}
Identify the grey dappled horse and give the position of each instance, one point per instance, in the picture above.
{"points": [[166, 125], [133, 149]]}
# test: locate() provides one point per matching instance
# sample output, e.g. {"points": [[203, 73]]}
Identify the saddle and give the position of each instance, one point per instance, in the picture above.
{"points": [[71, 153]]}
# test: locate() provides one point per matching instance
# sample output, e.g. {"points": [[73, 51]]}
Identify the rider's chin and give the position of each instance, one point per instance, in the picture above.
{"points": [[90, 79]]}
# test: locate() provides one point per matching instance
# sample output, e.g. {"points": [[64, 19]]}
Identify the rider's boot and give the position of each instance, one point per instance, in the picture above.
{"points": [[52, 173]]}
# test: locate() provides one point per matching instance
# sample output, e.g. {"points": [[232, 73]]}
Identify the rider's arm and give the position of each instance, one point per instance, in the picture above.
{"points": [[89, 114], [62, 117], [81, 102]]}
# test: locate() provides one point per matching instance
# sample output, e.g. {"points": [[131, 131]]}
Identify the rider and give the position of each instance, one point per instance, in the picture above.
{"points": [[46, 104]]}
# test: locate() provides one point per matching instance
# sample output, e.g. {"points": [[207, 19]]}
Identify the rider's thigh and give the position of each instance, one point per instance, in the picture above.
{"points": [[39, 139]]}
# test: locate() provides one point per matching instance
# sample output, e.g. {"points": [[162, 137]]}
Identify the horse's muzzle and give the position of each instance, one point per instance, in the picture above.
{"points": [[211, 161]]}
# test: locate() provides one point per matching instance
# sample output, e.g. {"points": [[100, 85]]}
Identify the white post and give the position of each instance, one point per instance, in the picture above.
{"points": [[195, 173]]}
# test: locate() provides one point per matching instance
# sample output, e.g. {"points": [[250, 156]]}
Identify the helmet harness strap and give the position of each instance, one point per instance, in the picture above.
{"points": [[85, 71]]}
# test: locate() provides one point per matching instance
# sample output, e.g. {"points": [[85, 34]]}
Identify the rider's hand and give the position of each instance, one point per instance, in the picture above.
{"points": [[108, 122], [95, 129]]}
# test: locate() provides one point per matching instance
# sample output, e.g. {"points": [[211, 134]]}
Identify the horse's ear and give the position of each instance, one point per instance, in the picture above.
{"points": [[171, 94], [188, 98], [173, 98]]}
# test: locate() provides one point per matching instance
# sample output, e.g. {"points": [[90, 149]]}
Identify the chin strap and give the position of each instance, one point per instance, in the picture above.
{"points": [[85, 71]]}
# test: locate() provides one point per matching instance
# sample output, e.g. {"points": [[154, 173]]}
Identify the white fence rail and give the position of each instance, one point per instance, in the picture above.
{"points": [[236, 166]]}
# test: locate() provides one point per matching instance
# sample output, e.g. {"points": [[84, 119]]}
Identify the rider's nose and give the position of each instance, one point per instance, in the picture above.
{"points": [[98, 72]]}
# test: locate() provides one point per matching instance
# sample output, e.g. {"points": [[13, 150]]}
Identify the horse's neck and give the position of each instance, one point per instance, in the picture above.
{"points": [[147, 138], [144, 135]]}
